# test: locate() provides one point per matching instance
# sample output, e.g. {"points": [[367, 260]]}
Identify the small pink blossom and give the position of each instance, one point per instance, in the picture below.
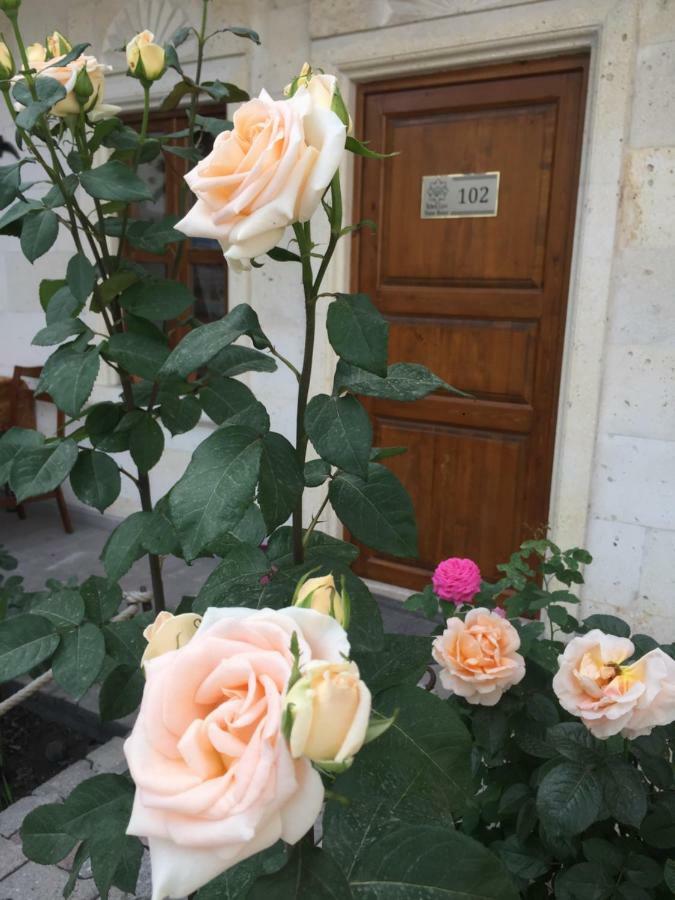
{"points": [[456, 580]]}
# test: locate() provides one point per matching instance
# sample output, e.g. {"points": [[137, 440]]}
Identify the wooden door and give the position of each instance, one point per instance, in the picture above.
{"points": [[480, 300]]}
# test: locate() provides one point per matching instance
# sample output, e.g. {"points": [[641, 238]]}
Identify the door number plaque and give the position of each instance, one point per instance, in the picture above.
{"points": [[460, 196]]}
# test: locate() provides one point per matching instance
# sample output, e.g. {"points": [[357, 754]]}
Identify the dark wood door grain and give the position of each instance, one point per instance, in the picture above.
{"points": [[481, 301]]}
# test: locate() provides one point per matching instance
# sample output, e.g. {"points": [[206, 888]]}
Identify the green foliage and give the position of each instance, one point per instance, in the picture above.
{"points": [[95, 479], [358, 333], [340, 430], [39, 470]]}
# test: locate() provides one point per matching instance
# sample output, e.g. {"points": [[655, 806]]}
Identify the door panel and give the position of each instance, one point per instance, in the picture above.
{"points": [[481, 301]]}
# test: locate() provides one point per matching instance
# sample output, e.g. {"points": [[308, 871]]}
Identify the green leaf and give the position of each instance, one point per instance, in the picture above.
{"points": [[125, 545], [404, 382], [240, 31], [669, 874], [12, 442], [430, 862], [235, 360], [16, 212], [378, 511], [603, 852], [280, 254], [58, 331], [200, 346], [10, 178], [569, 798], [526, 861], [236, 580], [139, 354], [153, 237], [101, 598], [129, 858], [95, 479], [180, 414], [159, 535], [124, 641], [490, 729], [311, 874], [224, 91], [217, 487], [121, 692], [157, 299], [658, 827], [64, 609], [642, 870], [49, 287], [340, 430], [359, 333], [115, 285], [281, 481], [366, 632], [625, 791], [225, 400], [378, 453], [360, 149], [403, 660], [60, 194], [585, 881], [45, 836], [608, 624], [62, 305], [316, 472], [38, 233], [236, 882], [81, 277], [25, 642], [146, 443], [322, 549], [78, 659], [114, 181], [574, 741], [68, 377], [40, 470]]}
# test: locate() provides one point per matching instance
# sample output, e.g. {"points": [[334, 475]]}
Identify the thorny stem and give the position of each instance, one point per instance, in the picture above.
{"points": [[311, 288]]}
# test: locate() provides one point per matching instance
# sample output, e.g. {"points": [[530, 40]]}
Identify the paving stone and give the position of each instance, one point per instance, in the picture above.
{"points": [[63, 783], [11, 857], [34, 882], [109, 757], [13, 816]]}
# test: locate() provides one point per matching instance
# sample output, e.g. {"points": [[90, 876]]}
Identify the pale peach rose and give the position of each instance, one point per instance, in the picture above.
{"points": [[270, 171], [611, 698], [215, 779], [169, 632], [478, 657], [330, 709], [67, 75]]}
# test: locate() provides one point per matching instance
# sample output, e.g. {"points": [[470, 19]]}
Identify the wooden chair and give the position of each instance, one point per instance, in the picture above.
{"points": [[9, 500]]}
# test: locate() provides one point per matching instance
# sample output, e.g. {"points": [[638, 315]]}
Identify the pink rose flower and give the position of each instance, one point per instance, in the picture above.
{"points": [[608, 697], [269, 171], [456, 580], [215, 779], [478, 657]]}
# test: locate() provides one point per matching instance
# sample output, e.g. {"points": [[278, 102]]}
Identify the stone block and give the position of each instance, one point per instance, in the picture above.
{"points": [[653, 122], [634, 481], [63, 783], [646, 214], [11, 858], [642, 309], [639, 395], [613, 578], [657, 21], [34, 882], [109, 757], [657, 581]]}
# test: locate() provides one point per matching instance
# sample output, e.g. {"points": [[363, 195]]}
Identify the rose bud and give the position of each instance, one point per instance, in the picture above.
{"points": [[146, 60], [36, 54], [323, 90], [321, 595], [57, 45], [327, 712], [9, 6], [83, 87], [169, 632], [7, 67]]}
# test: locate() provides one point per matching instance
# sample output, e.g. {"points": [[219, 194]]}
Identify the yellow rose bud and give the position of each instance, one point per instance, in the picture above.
{"points": [[324, 91], [329, 710], [57, 45], [146, 59], [7, 67], [36, 54], [169, 632], [322, 595]]}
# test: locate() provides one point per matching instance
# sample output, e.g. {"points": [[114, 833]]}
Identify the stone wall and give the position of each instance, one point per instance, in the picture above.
{"points": [[614, 480]]}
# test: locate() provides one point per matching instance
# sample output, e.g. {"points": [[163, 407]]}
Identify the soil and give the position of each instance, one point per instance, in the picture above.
{"points": [[32, 750]]}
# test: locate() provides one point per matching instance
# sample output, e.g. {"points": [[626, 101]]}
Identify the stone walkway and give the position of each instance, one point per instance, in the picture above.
{"points": [[21, 879]]}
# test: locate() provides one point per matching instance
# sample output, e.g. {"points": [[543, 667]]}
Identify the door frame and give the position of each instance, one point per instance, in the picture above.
{"points": [[608, 29]]}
